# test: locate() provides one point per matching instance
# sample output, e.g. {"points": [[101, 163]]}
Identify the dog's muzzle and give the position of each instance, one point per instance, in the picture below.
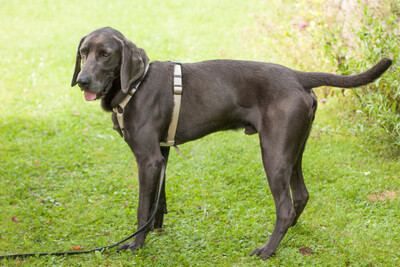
{"points": [[90, 96]]}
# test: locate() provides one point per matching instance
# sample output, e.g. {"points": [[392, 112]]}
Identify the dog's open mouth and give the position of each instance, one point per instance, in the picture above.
{"points": [[90, 96]]}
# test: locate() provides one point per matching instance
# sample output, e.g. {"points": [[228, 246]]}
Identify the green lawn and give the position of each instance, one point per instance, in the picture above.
{"points": [[70, 180]]}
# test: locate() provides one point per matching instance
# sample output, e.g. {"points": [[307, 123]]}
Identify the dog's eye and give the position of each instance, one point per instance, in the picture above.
{"points": [[83, 54], [105, 54]]}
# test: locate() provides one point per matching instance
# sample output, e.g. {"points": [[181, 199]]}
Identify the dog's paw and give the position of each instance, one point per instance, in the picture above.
{"points": [[263, 252], [130, 245]]}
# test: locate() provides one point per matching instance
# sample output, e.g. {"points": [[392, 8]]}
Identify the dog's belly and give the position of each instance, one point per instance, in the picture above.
{"points": [[194, 123]]}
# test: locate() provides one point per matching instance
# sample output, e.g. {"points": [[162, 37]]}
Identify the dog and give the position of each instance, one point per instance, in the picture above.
{"points": [[274, 101]]}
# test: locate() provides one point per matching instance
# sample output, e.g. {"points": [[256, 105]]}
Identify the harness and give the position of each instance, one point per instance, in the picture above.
{"points": [[120, 108], [178, 88]]}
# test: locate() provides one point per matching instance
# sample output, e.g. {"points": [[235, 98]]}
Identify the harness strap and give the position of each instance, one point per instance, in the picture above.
{"points": [[120, 108], [178, 87]]}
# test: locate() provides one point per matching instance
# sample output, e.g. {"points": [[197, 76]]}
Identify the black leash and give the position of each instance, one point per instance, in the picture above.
{"points": [[165, 152]]}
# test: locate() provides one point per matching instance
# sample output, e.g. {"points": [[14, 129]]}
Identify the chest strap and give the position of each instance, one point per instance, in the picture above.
{"points": [[178, 88]]}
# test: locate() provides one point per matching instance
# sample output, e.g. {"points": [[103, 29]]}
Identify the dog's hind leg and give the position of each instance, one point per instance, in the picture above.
{"points": [[299, 191], [279, 171], [282, 135]]}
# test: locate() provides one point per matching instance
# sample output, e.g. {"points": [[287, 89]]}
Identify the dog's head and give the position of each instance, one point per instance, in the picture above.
{"points": [[103, 56]]}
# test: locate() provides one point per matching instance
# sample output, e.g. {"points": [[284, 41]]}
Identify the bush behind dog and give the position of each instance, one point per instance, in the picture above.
{"points": [[355, 37]]}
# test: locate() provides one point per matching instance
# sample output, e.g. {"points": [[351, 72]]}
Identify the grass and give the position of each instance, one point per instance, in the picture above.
{"points": [[71, 181]]}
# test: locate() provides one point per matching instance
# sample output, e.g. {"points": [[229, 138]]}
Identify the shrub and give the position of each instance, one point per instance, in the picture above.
{"points": [[356, 38]]}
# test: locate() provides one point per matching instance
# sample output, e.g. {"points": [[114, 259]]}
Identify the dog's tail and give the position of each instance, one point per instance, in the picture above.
{"points": [[310, 80]]}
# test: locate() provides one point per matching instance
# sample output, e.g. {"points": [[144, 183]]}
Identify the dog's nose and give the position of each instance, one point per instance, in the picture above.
{"points": [[83, 81]]}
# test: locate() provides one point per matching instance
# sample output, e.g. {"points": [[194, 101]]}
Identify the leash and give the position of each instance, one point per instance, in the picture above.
{"points": [[102, 249]]}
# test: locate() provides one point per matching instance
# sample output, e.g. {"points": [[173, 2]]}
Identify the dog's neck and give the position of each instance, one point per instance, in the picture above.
{"points": [[114, 97]]}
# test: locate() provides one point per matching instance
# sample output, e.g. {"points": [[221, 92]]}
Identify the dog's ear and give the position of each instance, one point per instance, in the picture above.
{"points": [[133, 63], [77, 64]]}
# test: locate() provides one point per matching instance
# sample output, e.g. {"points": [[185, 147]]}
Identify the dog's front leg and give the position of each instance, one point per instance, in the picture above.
{"points": [[162, 206], [149, 165]]}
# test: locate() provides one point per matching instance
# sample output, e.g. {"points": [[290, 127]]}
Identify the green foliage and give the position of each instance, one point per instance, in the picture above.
{"points": [[374, 35]]}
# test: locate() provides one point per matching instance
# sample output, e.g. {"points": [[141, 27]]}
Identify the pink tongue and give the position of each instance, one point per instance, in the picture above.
{"points": [[90, 96]]}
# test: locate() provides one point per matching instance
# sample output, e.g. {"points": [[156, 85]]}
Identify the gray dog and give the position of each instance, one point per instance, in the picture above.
{"points": [[274, 101]]}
